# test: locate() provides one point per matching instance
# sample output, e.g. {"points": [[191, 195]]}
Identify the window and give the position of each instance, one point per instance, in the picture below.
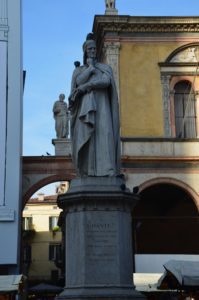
{"points": [[185, 110], [180, 86], [54, 252], [53, 222], [27, 223]]}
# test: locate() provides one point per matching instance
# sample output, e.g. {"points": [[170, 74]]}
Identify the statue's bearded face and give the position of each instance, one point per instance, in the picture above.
{"points": [[91, 50]]}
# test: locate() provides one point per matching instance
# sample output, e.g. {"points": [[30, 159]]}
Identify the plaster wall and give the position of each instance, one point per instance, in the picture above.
{"points": [[9, 208], [137, 179], [140, 88], [170, 148], [41, 266], [40, 215]]}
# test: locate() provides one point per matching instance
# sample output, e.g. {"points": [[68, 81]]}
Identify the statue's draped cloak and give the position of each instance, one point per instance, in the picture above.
{"points": [[95, 126]]}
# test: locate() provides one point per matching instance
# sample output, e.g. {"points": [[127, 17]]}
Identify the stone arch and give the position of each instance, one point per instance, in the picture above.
{"points": [[40, 171], [168, 180], [176, 79], [41, 183], [173, 54], [164, 218]]}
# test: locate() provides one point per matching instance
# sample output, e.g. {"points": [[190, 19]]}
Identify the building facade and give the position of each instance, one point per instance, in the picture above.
{"points": [[11, 86], [155, 63], [41, 246]]}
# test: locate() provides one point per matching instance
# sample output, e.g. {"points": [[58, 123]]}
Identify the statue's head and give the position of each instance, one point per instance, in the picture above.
{"points": [[89, 48], [61, 97]]}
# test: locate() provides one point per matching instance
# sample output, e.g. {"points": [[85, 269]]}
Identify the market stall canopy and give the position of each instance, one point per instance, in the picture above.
{"points": [[10, 283], [146, 282], [180, 274]]}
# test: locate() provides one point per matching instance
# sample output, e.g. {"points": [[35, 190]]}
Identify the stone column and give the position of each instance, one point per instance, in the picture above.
{"points": [[111, 53], [172, 113], [197, 112], [98, 246], [165, 79]]}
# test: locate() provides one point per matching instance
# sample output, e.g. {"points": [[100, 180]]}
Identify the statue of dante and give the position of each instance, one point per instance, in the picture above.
{"points": [[110, 3], [60, 112], [94, 117]]}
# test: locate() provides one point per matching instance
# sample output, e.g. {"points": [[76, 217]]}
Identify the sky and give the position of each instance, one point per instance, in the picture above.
{"points": [[53, 34]]}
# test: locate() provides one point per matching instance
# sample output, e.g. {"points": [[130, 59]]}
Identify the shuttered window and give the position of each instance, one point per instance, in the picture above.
{"points": [[53, 222], [185, 110], [27, 223], [54, 252]]}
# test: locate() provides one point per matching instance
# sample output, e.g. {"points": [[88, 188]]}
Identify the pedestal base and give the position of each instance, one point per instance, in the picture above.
{"points": [[111, 11], [102, 293], [98, 246], [62, 147]]}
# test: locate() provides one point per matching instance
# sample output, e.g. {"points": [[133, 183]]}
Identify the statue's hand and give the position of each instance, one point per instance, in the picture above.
{"points": [[81, 89], [57, 111], [90, 62], [74, 97], [85, 88], [91, 65]]}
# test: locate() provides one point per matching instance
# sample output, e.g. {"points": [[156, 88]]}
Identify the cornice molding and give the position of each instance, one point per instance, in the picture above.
{"points": [[128, 24]]}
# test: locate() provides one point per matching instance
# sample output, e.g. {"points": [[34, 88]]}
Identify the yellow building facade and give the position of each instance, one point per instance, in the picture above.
{"points": [[155, 63], [41, 240]]}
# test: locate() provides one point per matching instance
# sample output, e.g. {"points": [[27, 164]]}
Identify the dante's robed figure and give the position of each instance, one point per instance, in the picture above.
{"points": [[94, 117]]}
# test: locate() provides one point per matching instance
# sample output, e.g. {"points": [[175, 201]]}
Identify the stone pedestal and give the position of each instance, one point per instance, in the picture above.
{"points": [[62, 147], [98, 246], [111, 11]]}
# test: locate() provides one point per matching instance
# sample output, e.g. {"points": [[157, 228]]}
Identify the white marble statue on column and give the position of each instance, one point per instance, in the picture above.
{"points": [[60, 112], [110, 7], [110, 4]]}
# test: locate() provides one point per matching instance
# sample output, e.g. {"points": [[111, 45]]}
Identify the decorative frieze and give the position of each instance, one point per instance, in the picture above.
{"points": [[187, 55], [128, 24], [111, 53], [165, 80]]}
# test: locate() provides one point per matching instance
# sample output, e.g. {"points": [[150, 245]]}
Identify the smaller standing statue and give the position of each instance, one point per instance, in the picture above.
{"points": [[60, 111], [110, 4]]}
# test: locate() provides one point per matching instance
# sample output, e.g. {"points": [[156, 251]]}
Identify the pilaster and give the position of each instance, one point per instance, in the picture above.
{"points": [[111, 52], [165, 80], [197, 111]]}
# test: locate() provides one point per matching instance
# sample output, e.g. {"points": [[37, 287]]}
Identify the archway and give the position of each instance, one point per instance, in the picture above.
{"points": [[40, 171], [165, 221], [41, 246]]}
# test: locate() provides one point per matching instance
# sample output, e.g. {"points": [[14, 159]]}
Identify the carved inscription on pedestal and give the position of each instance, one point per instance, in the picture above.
{"points": [[101, 247], [101, 241]]}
